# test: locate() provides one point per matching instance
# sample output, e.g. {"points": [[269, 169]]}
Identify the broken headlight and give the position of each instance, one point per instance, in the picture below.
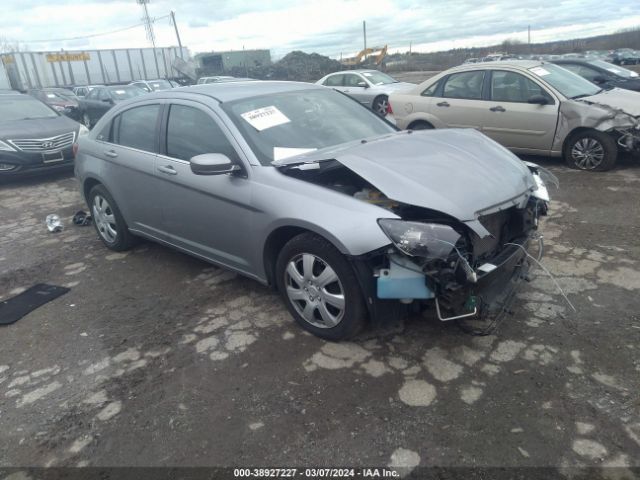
{"points": [[417, 239]]}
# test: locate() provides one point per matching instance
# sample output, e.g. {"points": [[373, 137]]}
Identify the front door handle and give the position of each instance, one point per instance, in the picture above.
{"points": [[111, 153], [497, 109], [169, 170], [443, 104]]}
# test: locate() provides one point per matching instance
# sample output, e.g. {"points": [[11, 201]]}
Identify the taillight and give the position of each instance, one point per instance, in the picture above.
{"points": [[389, 109], [75, 150]]}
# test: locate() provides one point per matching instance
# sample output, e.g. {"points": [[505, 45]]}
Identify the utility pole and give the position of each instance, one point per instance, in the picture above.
{"points": [[175, 25], [364, 33], [529, 37]]}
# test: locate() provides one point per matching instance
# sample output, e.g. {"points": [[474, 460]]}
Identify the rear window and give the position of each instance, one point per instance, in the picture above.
{"points": [[23, 108]]}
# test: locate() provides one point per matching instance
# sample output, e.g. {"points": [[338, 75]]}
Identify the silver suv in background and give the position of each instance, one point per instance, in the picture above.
{"points": [[299, 187], [369, 87], [530, 107]]}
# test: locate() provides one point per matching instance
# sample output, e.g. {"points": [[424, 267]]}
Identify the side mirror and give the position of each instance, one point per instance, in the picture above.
{"points": [[363, 84], [212, 164], [538, 100], [599, 79]]}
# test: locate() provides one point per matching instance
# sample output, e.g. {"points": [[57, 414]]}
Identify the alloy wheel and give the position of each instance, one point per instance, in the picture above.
{"points": [[587, 153], [315, 291], [381, 106], [104, 219]]}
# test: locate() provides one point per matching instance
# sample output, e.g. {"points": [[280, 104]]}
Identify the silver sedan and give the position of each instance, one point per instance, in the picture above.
{"points": [[298, 187], [370, 87]]}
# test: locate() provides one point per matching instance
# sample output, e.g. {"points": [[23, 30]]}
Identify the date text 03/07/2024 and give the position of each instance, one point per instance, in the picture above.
{"points": [[315, 473]]}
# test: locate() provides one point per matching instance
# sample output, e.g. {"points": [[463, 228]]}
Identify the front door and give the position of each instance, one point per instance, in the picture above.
{"points": [[353, 85], [514, 122], [208, 215]]}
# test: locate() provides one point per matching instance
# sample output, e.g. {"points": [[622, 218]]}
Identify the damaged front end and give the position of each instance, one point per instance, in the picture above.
{"points": [[447, 262]]}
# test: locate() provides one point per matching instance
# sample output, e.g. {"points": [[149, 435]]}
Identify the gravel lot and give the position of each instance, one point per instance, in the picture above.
{"points": [[155, 358]]}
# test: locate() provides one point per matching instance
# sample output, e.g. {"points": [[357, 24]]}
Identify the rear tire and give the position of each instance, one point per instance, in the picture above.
{"points": [[380, 105], [320, 288], [108, 221], [591, 150]]}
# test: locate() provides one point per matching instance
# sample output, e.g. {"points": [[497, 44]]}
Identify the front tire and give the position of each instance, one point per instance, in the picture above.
{"points": [[320, 288], [108, 221], [591, 150]]}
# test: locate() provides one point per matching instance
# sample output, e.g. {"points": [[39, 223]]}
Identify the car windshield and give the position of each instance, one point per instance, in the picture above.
{"points": [[569, 84], [284, 125], [159, 85], [615, 69], [378, 78], [123, 93], [23, 108]]}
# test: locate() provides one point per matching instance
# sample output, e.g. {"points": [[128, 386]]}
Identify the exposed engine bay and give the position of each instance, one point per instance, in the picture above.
{"points": [[435, 256]]}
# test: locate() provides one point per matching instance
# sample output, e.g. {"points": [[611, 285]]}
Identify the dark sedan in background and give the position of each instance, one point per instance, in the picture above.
{"points": [[604, 74], [60, 99], [100, 100], [34, 137]]}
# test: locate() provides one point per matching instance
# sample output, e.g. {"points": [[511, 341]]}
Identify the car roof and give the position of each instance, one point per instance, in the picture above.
{"points": [[230, 91], [522, 64]]}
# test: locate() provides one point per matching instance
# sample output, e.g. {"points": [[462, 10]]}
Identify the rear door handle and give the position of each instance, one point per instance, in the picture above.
{"points": [[497, 109], [111, 153], [443, 104], [169, 170]]}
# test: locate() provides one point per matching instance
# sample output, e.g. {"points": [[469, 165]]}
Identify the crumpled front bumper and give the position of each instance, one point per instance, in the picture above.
{"points": [[496, 283]]}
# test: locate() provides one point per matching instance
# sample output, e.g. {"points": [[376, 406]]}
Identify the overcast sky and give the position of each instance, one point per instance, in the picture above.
{"points": [[329, 27]]}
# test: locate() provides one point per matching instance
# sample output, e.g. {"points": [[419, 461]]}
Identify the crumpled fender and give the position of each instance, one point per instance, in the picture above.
{"points": [[587, 114]]}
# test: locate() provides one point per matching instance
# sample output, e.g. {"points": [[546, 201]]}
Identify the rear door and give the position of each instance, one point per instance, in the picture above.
{"points": [[458, 101], [511, 120], [128, 147], [208, 215]]}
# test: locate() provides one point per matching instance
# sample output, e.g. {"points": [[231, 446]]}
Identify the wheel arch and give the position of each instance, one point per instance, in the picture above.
{"points": [[87, 185], [415, 122], [582, 129], [280, 236]]}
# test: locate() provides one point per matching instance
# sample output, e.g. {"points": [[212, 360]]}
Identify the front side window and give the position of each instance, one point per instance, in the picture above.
{"points": [[334, 81], [466, 85], [513, 87], [352, 80], [192, 132], [93, 94], [137, 128]]}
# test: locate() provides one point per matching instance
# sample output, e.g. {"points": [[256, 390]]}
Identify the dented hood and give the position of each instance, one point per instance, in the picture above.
{"points": [[459, 172], [617, 99]]}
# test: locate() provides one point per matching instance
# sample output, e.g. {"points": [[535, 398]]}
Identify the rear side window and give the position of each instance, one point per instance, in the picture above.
{"points": [[136, 128], [513, 87], [334, 81], [192, 132], [431, 91], [467, 85]]}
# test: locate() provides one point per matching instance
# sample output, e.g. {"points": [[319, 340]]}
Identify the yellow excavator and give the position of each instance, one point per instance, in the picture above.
{"points": [[364, 56]]}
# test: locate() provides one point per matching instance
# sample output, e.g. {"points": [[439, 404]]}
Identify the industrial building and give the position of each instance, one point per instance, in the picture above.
{"points": [[24, 70]]}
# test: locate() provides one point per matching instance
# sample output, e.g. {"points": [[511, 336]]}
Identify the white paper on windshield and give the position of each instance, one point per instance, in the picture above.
{"points": [[614, 70], [120, 92], [264, 118], [541, 72], [280, 153], [633, 74], [51, 95]]}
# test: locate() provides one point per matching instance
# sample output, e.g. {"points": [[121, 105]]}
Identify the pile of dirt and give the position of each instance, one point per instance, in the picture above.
{"points": [[297, 66]]}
